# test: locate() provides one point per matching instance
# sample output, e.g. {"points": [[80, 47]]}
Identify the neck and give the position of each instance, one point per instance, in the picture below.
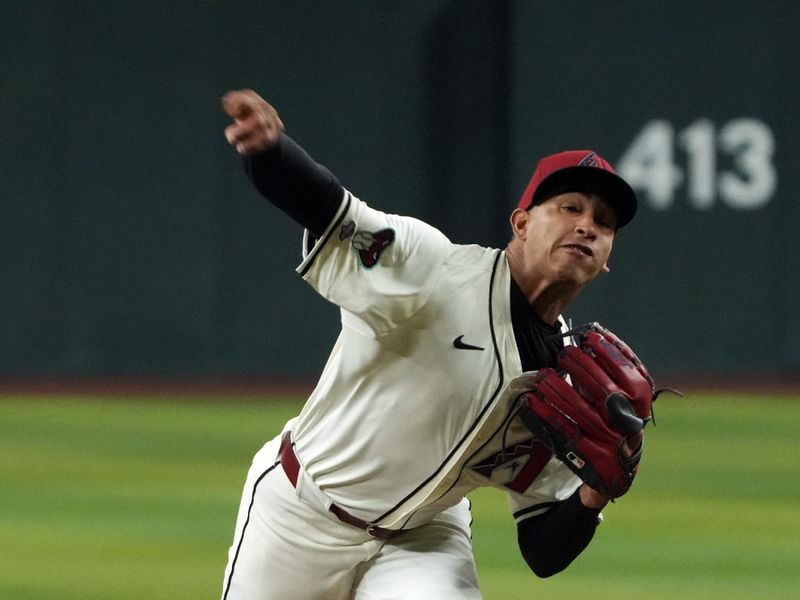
{"points": [[551, 301], [548, 296]]}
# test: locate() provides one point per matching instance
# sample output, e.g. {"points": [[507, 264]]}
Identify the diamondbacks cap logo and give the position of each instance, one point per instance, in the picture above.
{"points": [[590, 160], [370, 245]]}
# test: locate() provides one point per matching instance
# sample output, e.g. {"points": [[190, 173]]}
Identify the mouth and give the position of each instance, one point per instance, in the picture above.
{"points": [[585, 250]]}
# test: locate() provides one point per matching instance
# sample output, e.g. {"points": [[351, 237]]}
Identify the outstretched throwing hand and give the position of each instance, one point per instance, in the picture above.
{"points": [[256, 124]]}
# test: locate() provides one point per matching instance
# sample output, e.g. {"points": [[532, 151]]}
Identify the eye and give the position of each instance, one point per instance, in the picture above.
{"points": [[574, 208], [605, 223], [606, 220]]}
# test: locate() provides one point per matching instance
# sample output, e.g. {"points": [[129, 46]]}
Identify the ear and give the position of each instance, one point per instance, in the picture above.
{"points": [[519, 222], [606, 268]]}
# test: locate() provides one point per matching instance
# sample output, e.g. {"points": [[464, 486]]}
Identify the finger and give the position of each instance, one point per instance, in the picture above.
{"points": [[244, 128], [237, 104], [233, 133], [586, 373], [251, 145], [266, 118], [570, 403]]}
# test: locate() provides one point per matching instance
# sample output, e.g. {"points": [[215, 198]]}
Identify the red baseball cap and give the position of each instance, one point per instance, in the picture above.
{"points": [[580, 171]]}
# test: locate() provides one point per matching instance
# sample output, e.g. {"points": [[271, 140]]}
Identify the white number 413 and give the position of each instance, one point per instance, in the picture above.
{"points": [[649, 165]]}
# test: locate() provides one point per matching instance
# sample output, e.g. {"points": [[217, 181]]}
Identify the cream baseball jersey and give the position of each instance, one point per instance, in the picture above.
{"points": [[416, 404]]}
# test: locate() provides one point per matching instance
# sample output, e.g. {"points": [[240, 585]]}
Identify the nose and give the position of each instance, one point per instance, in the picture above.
{"points": [[585, 225]]}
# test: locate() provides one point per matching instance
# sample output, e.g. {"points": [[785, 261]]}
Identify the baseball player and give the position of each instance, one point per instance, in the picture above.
{"points": [[442, 346]]}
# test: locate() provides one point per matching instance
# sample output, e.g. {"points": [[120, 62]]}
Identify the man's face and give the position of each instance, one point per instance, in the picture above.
{"points": [[568, 237]]}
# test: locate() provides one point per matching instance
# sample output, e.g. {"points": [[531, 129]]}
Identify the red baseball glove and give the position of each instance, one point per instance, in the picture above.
{"points": [[588, 423]]}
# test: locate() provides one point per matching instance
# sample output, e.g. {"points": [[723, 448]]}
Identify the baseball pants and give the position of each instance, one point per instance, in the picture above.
{"points": [[287, 547]]}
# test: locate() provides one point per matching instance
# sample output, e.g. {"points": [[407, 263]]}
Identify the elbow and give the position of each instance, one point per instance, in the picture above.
{"points": [[544, 568], [544, 573]]}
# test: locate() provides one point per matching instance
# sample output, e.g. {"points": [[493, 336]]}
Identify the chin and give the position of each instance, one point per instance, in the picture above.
{"points": [[576, 277]]}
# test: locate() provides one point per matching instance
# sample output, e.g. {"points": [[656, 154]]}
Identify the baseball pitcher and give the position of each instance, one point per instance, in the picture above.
{"points": [[453, 369]]}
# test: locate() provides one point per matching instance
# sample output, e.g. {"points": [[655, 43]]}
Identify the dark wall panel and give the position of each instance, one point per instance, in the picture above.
{"points": [[696, 105], [131, 243]]}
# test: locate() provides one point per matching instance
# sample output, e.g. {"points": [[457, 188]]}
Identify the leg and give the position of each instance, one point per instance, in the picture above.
{"points": [[431, 562], [284, 548]]}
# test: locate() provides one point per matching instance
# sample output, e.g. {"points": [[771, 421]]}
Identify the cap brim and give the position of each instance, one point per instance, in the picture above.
{"points": [[609, 186]]}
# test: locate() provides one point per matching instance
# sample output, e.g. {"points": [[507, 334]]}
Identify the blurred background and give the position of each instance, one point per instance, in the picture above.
{"points": [[131, 243], [151, 293]]}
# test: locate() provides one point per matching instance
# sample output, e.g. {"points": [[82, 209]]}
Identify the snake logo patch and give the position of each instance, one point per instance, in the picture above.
{"points": [[370, 246]]}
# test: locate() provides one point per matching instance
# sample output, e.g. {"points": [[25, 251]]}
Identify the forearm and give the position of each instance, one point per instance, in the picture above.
{"points": [[290, 179], [550, 542]]}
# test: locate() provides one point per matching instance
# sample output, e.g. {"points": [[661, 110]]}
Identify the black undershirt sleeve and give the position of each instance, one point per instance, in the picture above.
{"points": [[550, 542], [290, 179]]}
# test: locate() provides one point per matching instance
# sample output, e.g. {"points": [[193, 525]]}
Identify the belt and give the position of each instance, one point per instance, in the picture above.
{"points": [[291, 466]]}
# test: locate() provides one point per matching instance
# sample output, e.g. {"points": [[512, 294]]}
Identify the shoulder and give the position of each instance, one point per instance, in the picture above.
{"points": [[474, 256]]}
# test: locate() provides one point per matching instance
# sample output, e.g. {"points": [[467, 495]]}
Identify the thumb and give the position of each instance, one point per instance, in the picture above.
{"points": [[236, 105]]}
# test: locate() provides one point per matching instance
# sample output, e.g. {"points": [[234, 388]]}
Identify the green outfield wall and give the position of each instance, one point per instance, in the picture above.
{"points": [[131, 243]]}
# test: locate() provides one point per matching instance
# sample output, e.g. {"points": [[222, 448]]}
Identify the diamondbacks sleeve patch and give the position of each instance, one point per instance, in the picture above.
{"points": [[370, 245]]}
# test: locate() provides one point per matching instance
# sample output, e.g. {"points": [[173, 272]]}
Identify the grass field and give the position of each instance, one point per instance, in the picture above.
{"points": [[119, 499]]}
